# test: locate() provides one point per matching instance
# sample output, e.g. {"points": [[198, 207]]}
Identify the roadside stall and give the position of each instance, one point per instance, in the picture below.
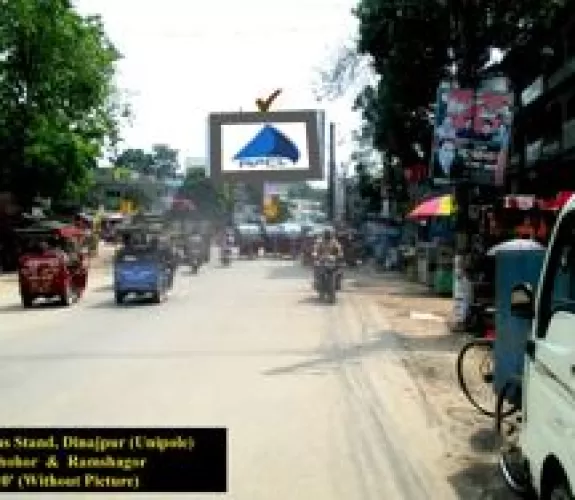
{"points": [[434, 256]]}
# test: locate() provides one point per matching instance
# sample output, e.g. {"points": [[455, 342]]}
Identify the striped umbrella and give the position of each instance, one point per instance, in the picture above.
{"points": [[441, 206]]}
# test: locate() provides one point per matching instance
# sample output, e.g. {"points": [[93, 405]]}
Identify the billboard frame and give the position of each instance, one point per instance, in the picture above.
{"points": [[313, 121]]}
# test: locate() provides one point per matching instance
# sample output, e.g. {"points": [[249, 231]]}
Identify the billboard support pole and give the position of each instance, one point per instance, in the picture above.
{"points": [[331, 173]]}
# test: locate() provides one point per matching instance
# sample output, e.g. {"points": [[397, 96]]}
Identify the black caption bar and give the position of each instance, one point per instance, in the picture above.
{"points": [[174, 460]]}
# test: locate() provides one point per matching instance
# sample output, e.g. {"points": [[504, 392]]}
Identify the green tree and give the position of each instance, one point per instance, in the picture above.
{"points": [[59, 105], [412, 45], [284, 212], [165, 161], [210, 200], [136, 160]]}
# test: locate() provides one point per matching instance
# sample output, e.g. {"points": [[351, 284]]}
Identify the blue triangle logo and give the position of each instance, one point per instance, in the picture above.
{"points": [[269, 143]]}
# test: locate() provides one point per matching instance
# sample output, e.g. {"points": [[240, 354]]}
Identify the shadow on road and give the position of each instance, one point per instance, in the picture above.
{"points": [[485, 440], [336, 355], [37, 307], [295, 271], [131, 302], [428, 343], [481, 481]]}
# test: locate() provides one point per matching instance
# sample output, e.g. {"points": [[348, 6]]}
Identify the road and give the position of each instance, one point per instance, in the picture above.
{"points": [[313, 395]]}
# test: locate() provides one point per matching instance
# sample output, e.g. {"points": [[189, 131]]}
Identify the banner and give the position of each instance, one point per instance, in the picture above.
{"points": [[271, 201], [471, 136]]}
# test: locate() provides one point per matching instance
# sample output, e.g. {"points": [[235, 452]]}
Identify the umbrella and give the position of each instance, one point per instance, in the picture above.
{"points": [[517, 245], [441, 206]]}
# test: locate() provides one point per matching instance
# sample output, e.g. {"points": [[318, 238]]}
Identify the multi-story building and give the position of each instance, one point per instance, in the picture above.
{"points": [[542, 157]]}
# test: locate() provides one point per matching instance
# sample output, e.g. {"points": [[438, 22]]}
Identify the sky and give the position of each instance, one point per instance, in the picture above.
{"points": [[184, 59]]}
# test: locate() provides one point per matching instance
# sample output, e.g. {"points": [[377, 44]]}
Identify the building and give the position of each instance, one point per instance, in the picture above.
{"points": [[542, 157], [112, 190]]}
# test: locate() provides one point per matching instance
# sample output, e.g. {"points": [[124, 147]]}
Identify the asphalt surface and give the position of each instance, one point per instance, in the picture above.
{"points": [[313, 395]]}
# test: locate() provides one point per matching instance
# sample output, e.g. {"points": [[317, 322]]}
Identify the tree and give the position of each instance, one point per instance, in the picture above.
{"points": [[59, 105], [284, 212], [397, 108], [165, 161], [136, 160], [209, 200], [161, 162]]}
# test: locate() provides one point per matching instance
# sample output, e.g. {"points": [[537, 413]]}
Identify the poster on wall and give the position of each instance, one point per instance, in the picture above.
{"points": [[471, 135]]}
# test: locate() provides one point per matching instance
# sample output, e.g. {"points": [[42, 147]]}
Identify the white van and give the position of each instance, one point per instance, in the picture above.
{"points": [[547, 435]]}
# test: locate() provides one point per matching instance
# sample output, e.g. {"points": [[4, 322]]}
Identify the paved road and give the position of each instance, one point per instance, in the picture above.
{"points": [[313, 395]]}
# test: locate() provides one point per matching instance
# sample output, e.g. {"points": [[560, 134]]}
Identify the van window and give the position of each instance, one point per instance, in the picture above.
{"points": [[558, 292]]}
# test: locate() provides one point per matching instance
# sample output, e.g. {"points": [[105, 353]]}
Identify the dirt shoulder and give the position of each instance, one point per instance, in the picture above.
{"points": [[419, 320]]}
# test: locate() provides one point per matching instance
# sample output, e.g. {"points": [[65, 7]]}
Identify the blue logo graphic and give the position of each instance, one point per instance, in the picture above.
{"points": [[270, 148]]}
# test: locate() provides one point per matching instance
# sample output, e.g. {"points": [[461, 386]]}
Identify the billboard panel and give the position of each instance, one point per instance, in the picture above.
{"points": [[285, 146], [471, 135]]}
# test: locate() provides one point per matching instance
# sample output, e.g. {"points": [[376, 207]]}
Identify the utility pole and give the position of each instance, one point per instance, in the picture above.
{"points": [[331, 173]]}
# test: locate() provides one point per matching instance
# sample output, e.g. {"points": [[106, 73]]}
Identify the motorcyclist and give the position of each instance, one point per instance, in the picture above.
{"points": [[166, 256], [227, 241], [327, 246], [195, 245]]}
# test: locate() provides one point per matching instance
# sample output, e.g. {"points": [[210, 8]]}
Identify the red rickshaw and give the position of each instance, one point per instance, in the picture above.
{"points": [[52, 264]]}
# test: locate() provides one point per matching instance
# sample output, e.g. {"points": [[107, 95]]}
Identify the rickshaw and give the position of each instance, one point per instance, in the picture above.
{"points": [[139, 269], [249, 239], [58, 271]]}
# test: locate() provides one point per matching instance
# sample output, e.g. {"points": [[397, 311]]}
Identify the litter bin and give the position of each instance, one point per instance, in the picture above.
{"points": [[511, 269]]}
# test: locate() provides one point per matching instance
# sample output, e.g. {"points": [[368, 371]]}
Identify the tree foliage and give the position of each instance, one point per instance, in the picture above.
{"points": [[211, 201], [59, 104], [161, 162], [412, 46]]}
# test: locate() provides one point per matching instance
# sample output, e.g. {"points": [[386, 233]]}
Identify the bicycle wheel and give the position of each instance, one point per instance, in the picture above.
{"points": [[508, 413], [475, 375]]}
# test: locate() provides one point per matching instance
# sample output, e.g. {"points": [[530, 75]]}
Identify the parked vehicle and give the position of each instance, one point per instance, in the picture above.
{"points": [[544, 459], [51, 266]]}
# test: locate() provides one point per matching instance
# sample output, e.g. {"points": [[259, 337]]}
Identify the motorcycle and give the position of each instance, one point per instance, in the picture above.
{"points": [[225, 256], [195, 260], [327, 279]]}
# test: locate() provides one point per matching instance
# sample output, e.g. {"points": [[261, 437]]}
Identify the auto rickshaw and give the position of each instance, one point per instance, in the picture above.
{"points": [[51, 265], [139, 268]]}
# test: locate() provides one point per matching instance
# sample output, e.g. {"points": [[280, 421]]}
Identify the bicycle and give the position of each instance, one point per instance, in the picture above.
{"points": [[483, 349], [487, 401]]}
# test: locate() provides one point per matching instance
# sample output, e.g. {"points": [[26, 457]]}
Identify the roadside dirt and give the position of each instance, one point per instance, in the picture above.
{"points": [[420, 322]]}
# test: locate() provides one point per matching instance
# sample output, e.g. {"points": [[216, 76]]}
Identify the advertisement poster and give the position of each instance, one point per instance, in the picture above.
{"points": [[471, 135], [271, 201], [264, 147]]}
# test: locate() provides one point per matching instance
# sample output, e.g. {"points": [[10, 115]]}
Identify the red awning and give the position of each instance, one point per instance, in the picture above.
{"points": [[70, 232], [527, 202]]}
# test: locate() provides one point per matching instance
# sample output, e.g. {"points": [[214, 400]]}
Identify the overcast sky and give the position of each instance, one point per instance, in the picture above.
{"points": [[184, 59]]}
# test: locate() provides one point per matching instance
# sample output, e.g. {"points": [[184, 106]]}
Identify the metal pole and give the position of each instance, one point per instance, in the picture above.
{"points": [[331, 173]]}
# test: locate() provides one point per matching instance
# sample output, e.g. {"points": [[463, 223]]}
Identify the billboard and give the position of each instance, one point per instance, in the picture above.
{"points": [[471, 135], [286, 146]]}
